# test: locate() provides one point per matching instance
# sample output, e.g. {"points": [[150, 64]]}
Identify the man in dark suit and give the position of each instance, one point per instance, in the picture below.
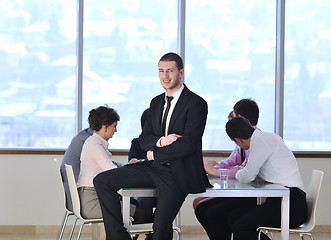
{"points": [[172, 137]]}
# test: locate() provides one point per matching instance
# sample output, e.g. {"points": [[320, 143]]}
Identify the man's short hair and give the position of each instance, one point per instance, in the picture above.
{"points": [[173, 57], [247, 108], [239, 127]]}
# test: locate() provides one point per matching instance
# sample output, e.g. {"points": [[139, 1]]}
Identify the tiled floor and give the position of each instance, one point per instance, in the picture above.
{"points": [[317, 236]]}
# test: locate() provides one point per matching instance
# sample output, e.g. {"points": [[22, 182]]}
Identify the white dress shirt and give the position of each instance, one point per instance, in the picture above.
{"points": [[172, 106], [271, 160]]}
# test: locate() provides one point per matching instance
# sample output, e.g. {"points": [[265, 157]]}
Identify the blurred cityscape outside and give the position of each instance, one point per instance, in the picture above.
{"points": [[229, 55]]}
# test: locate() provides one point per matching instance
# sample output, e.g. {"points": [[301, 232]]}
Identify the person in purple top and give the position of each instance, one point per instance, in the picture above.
{"points": [[249, 109]]}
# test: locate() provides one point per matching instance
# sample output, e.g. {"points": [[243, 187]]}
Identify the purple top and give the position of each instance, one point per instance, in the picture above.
{"points": [[233, 163]]}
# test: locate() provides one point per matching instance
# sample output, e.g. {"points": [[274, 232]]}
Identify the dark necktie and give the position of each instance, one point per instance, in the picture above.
{"points": [[242, 155], [164, 120]]}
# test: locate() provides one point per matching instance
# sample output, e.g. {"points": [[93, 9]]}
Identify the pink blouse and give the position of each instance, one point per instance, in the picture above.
{"points": [[95, 158]]}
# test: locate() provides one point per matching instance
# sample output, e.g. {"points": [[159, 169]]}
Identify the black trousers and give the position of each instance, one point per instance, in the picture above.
{"points": [[147, 204], [212, 215], [222, 216], [143, 174]]}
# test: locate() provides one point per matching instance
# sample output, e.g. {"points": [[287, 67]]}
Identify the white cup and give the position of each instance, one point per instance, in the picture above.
{"points": [[224, 175]]}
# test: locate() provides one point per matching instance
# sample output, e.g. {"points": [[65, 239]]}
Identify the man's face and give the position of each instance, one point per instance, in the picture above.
{"points": [[242, 143], [170, 76]]}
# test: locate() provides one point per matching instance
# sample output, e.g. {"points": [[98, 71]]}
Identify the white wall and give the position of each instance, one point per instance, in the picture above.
{"points": [[31, 194]]}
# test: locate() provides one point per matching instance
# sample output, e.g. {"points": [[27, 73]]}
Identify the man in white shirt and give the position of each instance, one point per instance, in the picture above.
{"points": [[271, 160]]}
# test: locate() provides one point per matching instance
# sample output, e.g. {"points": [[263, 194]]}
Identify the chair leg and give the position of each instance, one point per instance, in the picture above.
{"points": [[266, 232], [259, 235], [177, 234], [302, 236], [177, 231], [178, 220], [80, 230], [64, 222], [72, 229]]}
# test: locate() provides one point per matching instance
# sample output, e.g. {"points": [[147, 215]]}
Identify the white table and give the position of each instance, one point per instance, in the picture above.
{"points": [[233, 189]]}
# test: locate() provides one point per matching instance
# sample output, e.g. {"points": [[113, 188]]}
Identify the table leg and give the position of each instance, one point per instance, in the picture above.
{"points": [[126, 211], [285, 216]]}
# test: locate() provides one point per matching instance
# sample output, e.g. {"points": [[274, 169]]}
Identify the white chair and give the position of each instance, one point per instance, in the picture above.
{"points": [[68, 213], [76, 202], [312, 197]]}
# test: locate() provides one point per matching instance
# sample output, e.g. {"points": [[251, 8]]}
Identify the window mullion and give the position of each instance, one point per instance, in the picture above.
{"points": [[181, 29], [79, 99], [279, 78]]}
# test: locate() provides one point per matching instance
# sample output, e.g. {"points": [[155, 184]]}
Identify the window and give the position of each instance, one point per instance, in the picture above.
{"points": [[307, 102], [37, 59], [229, 55], [123, 41]]}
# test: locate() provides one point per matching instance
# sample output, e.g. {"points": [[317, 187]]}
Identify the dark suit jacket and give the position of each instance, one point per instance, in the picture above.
{"points": [[136, 151], [184, 155]]}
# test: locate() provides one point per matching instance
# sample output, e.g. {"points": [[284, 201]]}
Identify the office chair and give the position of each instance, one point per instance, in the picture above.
{"points": [[312, 198], [68, 213], [76, 202]]}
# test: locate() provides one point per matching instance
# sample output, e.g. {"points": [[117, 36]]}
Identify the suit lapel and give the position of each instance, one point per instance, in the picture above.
{"points": [[181, 103], [158, 114]]}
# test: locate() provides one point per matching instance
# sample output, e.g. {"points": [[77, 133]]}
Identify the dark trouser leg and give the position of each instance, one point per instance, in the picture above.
{"points": [[213, 214], [147, 204], [244, 222], [170, 200], [201, 211], [106, 185]]}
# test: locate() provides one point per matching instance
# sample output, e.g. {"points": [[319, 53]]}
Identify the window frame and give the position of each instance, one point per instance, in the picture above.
{"points": [[217, 154]]}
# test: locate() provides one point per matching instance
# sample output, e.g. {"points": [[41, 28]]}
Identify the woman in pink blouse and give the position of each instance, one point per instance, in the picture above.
{"points": [[96, 158]]}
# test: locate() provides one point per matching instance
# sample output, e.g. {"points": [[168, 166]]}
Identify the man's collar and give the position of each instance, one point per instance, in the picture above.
{"points": [[177, 94]]}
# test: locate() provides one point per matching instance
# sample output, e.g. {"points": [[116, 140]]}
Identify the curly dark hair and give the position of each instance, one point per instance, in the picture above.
{"points": [[102, 115]]}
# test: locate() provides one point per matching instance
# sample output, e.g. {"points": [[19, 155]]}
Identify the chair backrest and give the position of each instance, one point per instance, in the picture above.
{"points": [[313, 191], [73, 191], [58, 164]]}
